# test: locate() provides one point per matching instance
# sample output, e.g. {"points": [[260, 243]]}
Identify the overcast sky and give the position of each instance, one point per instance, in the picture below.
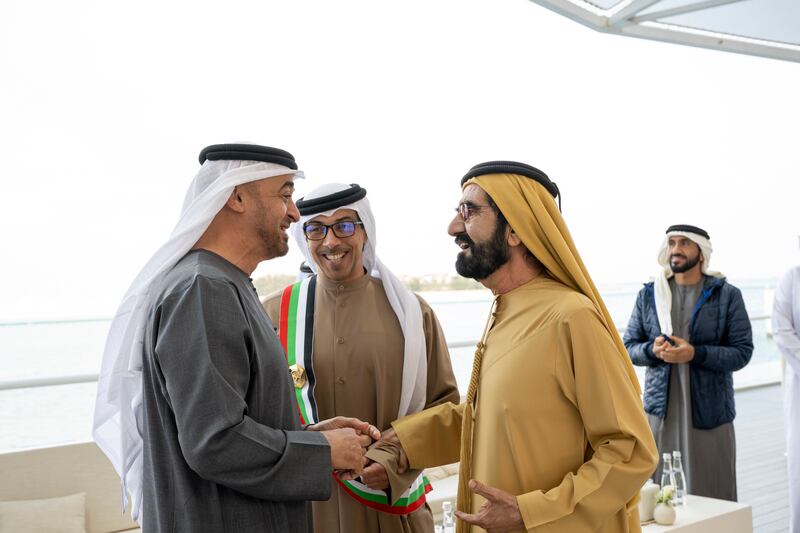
{"points": [[104, 107]]}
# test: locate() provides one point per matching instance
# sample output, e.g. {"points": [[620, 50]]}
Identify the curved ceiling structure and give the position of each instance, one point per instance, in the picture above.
{"points": [[767, 28]]}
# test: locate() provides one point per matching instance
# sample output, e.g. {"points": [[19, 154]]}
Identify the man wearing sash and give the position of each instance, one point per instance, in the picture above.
{"points": [[194, 404], [360, 344], [552, 436]]}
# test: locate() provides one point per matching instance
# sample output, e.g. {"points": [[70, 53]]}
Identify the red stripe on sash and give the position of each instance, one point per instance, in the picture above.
{"points": [[383, 507], [283, 326], [283, 332]]}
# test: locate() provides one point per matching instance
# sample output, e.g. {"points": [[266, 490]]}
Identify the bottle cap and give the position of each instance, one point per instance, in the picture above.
{"points": [[676, 453], [667, 456]]}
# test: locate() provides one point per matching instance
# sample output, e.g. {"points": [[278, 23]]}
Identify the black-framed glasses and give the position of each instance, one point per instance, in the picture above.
{"points": [[345, 228], [466, 210]]}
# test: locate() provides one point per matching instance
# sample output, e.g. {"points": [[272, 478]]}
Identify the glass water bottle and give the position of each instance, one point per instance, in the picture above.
{"points": [[448, 518], [680, 478], [667, 474]]}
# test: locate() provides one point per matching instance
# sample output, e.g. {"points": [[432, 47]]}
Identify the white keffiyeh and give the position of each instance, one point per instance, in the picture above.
{"points": [[118, 409], [404, 303], [663, 293]]}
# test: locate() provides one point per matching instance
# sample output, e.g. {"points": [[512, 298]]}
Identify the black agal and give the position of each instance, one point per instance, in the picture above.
{"points": [[513, 167], [247, 152], [325, 203], [689, 229]]}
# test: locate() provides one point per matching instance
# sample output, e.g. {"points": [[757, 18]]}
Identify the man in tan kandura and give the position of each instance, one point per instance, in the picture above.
{"points": [[359, 342], [552, 436]]}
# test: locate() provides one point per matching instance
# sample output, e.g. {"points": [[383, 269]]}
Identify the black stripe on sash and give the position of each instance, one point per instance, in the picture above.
{"points": [[309, 344]]}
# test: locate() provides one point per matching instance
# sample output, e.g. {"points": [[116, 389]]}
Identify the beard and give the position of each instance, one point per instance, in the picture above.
{"points": [[484, 258], [687, 265], [274, 241]]}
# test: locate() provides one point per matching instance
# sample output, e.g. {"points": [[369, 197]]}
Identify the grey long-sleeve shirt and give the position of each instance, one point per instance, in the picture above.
{"points": [[223, 447]]}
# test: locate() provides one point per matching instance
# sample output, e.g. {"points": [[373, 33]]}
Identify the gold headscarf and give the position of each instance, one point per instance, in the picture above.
{"points": [[534, 216]]}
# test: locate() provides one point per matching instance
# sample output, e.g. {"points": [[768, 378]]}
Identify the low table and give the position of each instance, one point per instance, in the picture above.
{"points": [[708, 515]]}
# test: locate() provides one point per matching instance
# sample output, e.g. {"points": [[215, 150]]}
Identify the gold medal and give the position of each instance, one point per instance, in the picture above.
{"points": [[298, 376]]}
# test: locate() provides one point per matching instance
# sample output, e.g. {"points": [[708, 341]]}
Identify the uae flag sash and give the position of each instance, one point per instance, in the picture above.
{"points": [[296, 333]]}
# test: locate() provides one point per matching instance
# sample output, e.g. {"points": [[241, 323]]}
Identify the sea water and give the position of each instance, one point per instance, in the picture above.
{"points": [[60, 414]]}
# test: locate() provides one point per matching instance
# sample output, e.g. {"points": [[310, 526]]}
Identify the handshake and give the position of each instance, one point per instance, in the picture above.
{"points": [[349, 439]]}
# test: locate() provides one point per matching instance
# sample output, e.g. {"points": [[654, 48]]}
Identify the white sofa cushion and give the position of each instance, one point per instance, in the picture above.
{"points": [[53, 515], [67, 469]]}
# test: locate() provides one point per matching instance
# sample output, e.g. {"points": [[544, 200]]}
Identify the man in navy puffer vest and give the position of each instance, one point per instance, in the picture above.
{"points": [[691, 330]]}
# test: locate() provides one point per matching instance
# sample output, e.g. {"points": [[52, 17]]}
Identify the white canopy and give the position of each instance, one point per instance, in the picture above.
{"points": [[767, 28]]}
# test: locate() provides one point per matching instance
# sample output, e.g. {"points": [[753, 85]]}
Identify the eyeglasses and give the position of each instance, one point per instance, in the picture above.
{"points": [[342, 229], [467, 210]]}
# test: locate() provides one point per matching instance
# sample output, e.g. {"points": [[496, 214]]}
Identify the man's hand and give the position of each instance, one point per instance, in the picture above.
{"points": [[390, 436], [499, 512], [349, 439], [659, 345], [682, 352], [374, 476], [347, 451], [338, 422]]}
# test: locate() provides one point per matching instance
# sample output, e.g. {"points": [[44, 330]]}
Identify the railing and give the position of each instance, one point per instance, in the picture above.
{"points": [[49, 381]]}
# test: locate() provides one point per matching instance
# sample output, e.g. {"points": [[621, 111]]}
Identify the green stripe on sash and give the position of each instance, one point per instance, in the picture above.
{"points": [[383, 499], [296, 329], [291, 344], [292, 332]]}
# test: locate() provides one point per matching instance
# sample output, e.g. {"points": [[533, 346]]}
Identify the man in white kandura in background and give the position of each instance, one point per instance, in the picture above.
{"points": [[786, 331]]}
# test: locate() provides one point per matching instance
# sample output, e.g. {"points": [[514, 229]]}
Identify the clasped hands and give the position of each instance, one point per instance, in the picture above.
{"points": [[681, 352], [349, 439]]}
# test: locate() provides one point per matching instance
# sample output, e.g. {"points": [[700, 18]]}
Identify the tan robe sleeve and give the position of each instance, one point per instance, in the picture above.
{"points": [[386, 455], [431, 437], [623, 453]]}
